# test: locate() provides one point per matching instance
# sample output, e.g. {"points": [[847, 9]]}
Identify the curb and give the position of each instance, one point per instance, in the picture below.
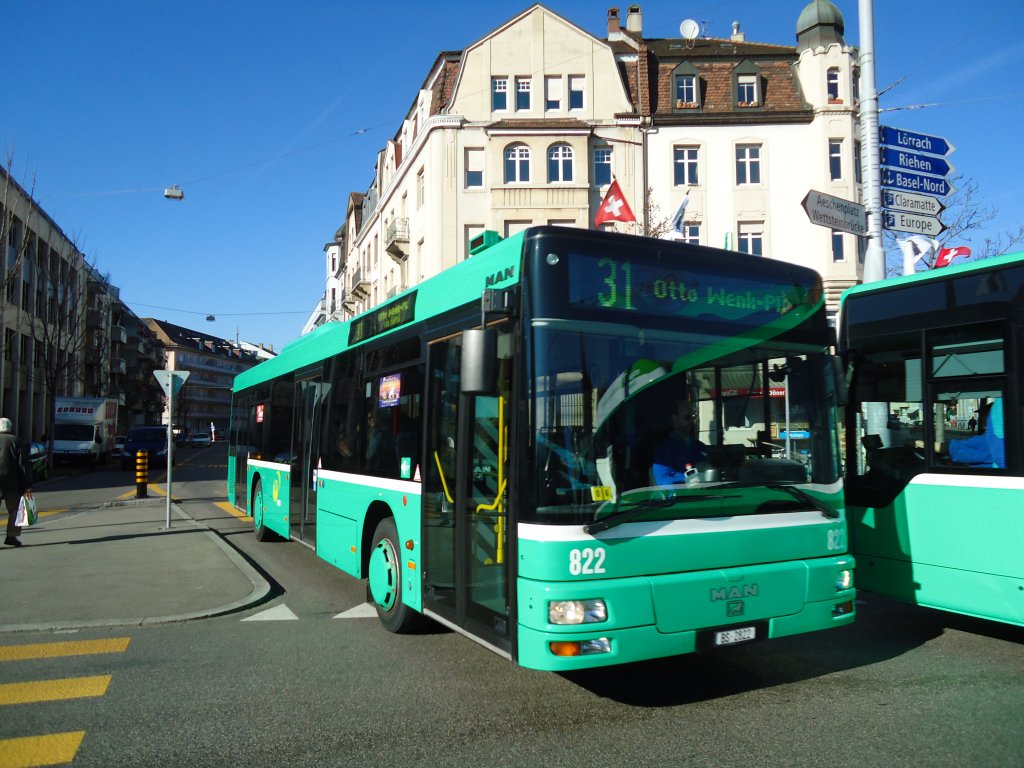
{"points": [[260, 589]]}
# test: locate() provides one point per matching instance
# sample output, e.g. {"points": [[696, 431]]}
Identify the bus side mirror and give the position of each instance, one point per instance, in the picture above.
{"points": [[479, 372]]}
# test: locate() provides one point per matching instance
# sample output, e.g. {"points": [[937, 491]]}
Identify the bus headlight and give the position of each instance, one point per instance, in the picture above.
{"points": [[844, 580], [577, 611]]}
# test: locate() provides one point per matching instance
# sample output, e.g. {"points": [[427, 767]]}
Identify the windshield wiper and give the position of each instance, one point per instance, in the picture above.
{"points": [[797, 493], [637, 507], [806, 498]]}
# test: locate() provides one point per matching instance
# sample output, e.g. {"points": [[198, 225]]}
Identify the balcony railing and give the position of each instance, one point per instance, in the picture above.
{"points": [[360, 282], [396, 239]]}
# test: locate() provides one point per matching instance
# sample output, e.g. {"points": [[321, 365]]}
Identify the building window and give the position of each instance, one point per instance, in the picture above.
{"points": [[751, 238], [748, 164], [691, 233], [746, 91], [522, 93], [602, 166], [517, 164], [552, 93], [686, 91], [499, 94], [576, 87], [472, 230], [559, 163], [474, 168], [855, 84], [835, 159], [421, 190], [838, 254], [515, 227], [832, 84], [685, 165]]}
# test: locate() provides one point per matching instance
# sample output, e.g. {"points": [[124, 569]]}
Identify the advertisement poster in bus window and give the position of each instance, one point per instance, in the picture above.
{"points": [[390, 391]]}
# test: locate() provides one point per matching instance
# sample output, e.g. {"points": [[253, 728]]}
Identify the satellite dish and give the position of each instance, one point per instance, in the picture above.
{"points": [[689, 29]]}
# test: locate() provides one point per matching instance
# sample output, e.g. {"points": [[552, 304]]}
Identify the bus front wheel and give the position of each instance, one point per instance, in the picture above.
{"points": [[384, 585]]}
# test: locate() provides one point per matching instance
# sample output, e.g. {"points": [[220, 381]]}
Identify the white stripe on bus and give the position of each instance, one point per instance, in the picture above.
{"points": [[999, 482], [368, 481], [631, 530]]}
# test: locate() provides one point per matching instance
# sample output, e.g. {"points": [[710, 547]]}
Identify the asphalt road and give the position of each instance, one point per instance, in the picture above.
{"points": [[901, 687]]}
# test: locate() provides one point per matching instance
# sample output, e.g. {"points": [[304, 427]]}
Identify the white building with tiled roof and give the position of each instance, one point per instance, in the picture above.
{"points": [[529, 124]]}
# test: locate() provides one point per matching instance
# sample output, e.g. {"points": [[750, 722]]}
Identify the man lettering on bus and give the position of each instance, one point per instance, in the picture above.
{"points": [[680, 449]]}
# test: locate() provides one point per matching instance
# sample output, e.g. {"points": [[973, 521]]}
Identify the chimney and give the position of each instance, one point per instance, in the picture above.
{"points": [[613, 21], [737, 36], [634, 20]]}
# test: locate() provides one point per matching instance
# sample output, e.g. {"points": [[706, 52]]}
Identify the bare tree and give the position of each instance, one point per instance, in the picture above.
{"points": [[965, 216]]}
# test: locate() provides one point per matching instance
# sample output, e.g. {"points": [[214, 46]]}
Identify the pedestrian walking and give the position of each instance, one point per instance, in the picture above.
{"points": [[15, 478]]}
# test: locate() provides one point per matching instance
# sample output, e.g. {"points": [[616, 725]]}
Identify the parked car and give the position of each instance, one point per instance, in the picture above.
{"points": [[200, 439], [119, 445], [183, 440], [151, 439], [37, 458]]}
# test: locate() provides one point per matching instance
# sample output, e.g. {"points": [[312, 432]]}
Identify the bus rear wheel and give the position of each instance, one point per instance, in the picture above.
{"points": [[258, 509], [384, 585]]}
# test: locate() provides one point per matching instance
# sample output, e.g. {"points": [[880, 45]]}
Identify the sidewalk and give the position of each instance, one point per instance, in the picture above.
{"points": [[118, 564]]}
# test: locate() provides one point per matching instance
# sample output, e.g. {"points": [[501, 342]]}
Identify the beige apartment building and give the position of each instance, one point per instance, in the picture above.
{"points": [[530, 124]]}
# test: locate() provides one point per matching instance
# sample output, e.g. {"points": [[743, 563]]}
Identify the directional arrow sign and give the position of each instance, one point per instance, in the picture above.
{"points": [[895, 200], [835, 213], [913, 161], [917, 142], [915, 182], [912, 222], [171, 381]]}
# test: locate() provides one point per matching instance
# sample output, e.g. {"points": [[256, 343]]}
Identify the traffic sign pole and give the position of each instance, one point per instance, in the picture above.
{"points": [[874, 256], [171, 382]]}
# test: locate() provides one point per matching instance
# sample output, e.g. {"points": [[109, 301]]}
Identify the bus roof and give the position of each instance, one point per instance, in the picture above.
{"points": [[451, 288], [931, 275]]}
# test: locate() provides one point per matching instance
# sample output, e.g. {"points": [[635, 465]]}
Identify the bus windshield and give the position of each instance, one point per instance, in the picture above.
{"points": [[607, 427]]}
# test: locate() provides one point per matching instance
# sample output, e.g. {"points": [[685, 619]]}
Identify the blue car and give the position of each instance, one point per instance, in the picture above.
{"points": [[153, 440]]}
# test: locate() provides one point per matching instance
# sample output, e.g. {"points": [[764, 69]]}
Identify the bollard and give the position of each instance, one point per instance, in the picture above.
{"points": [[141, 474]]}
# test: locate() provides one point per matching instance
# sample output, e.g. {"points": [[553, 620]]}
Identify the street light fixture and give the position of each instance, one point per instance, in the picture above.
{"points": [[174, 193]]}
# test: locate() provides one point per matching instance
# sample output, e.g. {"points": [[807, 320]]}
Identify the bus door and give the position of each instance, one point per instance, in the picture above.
{"points": [[466, 576], [305, 439]]}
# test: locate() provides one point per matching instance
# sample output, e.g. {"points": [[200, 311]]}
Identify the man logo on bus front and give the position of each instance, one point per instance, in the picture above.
{"points": [[734, 608]]}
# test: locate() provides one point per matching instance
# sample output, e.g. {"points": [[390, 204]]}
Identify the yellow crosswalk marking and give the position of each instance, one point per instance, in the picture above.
{"points": [[69, 648], [53, 690], [30, 751], [230, 509]]}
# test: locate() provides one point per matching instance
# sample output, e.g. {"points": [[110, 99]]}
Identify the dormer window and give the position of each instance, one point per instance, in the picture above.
{"points": [[685, 87], [747, 85]]}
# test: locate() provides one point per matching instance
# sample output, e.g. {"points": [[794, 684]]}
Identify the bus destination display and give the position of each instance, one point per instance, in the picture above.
{"points": [[626, 285], [383, 319]]}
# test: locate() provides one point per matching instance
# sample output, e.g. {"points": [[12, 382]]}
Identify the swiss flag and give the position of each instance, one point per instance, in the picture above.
{"points": [[614, 207], [946, 255]]}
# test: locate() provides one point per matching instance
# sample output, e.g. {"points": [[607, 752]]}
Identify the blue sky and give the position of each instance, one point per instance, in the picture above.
{"points": [[269, 114]]}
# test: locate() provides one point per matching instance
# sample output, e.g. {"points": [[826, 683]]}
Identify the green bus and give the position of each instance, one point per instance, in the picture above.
{"points": [[481, 450], [934, 451]]}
